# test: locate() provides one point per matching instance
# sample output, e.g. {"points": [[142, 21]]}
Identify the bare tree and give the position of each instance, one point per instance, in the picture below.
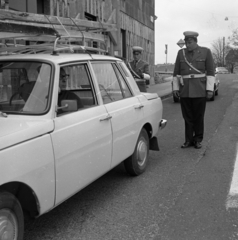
{"points": [[232, 59], [233, 39], [219, 51], [232, 56]]}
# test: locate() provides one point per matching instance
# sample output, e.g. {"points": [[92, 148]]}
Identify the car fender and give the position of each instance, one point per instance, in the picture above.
{"points": [[152, 110], [31, 163]]}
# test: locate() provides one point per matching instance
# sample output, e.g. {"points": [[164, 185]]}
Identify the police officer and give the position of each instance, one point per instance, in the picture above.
{"points": [[139, 68], [193, 82]]}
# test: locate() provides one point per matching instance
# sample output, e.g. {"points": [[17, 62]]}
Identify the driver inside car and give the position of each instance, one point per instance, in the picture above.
{"points": [[66, 94]]}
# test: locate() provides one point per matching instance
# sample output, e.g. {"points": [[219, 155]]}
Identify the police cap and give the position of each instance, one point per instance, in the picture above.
{"points": [[190, 34], [137, 49]]}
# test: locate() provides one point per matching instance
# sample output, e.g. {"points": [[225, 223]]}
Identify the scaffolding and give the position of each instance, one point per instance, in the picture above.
{"points": [[27, 33]]}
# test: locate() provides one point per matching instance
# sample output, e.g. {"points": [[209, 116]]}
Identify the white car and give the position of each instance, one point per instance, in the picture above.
{"points": [[54, 142], [221, 70]]}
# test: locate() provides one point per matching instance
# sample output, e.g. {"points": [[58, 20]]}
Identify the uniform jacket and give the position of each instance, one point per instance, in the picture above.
{"points": [[140, 67], [201, 60]]}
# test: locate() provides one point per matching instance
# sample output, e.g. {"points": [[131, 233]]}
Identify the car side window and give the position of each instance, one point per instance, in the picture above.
{"points": [[75, 89], [124, 69], [126, 91], [109, 84]]}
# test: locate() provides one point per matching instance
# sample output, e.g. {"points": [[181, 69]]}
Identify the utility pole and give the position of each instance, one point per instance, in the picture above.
{"points": [[223, 52], [166, 51]]}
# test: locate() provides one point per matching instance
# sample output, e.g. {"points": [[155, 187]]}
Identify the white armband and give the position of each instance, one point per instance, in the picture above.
{"points": [[146, 76], [210, 83], [176, 83]]}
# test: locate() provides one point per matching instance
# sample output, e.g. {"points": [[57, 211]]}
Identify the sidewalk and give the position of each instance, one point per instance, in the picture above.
{"points": [[164, 90]]}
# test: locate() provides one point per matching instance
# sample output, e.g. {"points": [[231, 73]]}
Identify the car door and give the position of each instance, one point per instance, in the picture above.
{"points": [[125, 109], [82, 139]]}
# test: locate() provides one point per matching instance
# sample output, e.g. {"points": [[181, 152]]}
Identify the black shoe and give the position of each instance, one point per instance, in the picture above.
{"points": [[187, 144], [197, 145]]}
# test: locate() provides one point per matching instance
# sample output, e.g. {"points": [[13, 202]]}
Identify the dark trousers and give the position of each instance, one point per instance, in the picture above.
{"points": [[193, 111]]}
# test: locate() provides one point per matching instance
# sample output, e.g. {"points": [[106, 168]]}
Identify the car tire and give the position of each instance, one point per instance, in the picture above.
{"points": [[11, 217], [137, 162], [213, 97], [176, 100]]}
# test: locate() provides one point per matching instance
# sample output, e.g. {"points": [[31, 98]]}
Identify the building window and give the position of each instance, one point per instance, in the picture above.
{"points": [[123, 43], [23, 5], [40, 6], [31, 6]]}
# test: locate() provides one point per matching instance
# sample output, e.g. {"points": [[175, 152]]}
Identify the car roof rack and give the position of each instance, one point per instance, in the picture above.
{"points": [[46, 44], [20, 34]]}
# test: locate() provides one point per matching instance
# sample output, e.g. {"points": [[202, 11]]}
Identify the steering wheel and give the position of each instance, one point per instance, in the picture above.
{"points": [[15, 94]]}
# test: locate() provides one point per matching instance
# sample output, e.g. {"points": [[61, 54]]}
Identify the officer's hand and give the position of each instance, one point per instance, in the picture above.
{"points": [[209, 94], [176, 93], [141, 75]]}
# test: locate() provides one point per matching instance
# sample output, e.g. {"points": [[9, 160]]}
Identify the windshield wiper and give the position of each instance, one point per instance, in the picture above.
{"points": [[3, 114]]}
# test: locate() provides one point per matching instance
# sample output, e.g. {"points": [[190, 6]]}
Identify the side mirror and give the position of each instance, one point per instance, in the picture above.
{"points": [[68, 106]]}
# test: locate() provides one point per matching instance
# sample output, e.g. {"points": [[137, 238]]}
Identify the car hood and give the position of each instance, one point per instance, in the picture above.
{"points": [[17, 130]]}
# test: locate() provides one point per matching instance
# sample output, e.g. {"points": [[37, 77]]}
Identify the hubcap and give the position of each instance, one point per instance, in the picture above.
{"points": [[8, 225], [141, 152]]}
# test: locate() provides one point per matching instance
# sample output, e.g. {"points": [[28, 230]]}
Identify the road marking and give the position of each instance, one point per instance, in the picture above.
{"points": [[232, 198]]}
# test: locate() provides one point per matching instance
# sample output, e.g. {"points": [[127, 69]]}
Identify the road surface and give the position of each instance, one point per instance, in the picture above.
{"points": [[185, 194]]}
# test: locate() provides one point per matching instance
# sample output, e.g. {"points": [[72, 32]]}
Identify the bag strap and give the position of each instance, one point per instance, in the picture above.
{"points": [[133, 72], [189, 63]]}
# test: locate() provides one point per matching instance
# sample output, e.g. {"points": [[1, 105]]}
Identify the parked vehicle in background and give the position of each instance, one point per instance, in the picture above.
{"points": [[221, 70], [216, 87], [215, 91], [51, 147]]}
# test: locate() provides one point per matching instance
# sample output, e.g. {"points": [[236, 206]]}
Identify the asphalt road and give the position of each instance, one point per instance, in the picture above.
{"points": [[181, 196]]}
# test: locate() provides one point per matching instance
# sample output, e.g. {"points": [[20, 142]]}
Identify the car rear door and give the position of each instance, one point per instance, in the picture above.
{"points": [[125, 110]]}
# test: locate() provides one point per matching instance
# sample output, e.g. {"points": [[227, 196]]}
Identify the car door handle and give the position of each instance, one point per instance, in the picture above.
{"points": [[106, 118], [139, 106]]}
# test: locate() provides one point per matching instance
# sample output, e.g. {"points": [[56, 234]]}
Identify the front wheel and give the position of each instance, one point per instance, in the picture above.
{"points": [[175, 99], [11, 218], [213, 97], [137, 162]]}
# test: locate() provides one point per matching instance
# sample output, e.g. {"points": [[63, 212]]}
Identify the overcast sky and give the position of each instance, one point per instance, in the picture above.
{"points": [[207, 17]]}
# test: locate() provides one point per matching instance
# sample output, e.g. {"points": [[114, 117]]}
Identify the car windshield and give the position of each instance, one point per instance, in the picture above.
{"points": [[24, 87]]}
